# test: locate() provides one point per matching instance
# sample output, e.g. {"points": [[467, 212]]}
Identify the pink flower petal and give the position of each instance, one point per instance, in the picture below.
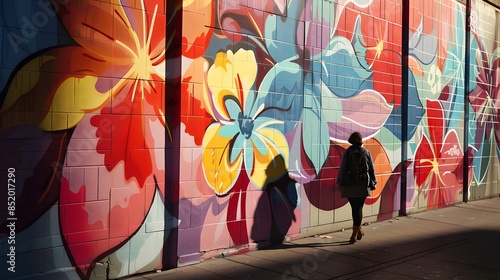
{"points": [[375, 111]]}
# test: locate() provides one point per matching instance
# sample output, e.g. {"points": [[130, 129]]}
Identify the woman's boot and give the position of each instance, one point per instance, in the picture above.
{"points": [[360, 233], [355, 230]]}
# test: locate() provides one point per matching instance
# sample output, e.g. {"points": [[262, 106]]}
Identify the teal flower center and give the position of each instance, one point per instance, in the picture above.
{"points": [[246, 125]]}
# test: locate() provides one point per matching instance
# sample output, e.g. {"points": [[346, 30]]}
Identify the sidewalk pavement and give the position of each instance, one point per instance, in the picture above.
{"points": [[458, 242]]}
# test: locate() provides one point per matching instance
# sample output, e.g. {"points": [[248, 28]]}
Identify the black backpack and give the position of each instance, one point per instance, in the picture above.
{"points": [[357, 166]]}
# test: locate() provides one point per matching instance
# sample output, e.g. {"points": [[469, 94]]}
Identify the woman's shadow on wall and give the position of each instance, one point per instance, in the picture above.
{"points": [[274, 212]]}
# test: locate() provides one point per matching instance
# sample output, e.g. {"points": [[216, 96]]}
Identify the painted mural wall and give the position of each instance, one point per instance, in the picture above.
{"points": [[141, 135], [82, 138], [484, 93]]}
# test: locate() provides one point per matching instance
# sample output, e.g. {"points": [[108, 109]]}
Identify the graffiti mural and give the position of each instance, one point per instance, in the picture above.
{"points": [[437, 69], [484, 94], [144, 135], [83, 126]]}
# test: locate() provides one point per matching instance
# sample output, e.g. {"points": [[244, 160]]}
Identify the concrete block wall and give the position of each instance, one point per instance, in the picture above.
{"points": [[145, 135]]}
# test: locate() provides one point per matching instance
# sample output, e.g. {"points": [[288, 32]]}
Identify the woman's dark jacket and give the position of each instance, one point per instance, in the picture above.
{"points": [[361, 190]]}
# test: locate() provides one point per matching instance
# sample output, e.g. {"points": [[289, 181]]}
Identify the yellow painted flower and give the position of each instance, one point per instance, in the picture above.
{"points": [[242, 134]]}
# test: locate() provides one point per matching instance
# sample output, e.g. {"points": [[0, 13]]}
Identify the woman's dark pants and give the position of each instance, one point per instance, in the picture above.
{"points": [[357, 204]]}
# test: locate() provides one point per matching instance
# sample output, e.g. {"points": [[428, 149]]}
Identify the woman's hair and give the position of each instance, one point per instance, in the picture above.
{"points": [[355, 139]]}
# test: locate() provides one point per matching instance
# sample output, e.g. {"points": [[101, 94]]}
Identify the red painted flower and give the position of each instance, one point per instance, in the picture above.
{"points": [[98, 107], [437, 159], [115, 158]]}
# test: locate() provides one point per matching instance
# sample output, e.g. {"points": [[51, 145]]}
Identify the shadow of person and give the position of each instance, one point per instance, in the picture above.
{"points": [[274, 213]]}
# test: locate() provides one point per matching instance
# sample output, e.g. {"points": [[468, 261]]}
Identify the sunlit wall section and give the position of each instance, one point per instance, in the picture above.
{"points": [[484, 95], [436, 92], [354, 77], [270, 93]]}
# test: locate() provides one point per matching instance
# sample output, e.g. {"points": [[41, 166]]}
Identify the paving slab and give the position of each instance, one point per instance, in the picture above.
{"points": [[458, 242]]}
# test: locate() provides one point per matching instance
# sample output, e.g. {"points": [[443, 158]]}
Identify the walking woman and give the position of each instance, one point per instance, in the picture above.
{"points": [[356, 179]]}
